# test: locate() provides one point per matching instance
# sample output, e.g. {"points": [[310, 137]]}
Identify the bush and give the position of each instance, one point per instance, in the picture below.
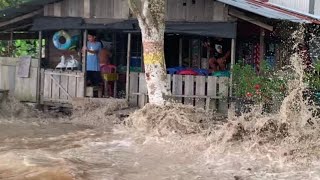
{"points": [[261, 87]]}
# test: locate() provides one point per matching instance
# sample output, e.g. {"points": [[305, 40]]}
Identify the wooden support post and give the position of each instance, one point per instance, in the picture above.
{"points": [[180, 51], [38, 93], [190, 53], [84, 54], [262, 34], [114, 44], [128, 68], [11, 44], [233, 60], [142, 57], [199, 53], [84, 61]]}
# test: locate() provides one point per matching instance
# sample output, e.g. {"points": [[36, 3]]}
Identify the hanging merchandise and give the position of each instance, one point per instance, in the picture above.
{"points": [[62, 63], [69, 42], [73, 64]]}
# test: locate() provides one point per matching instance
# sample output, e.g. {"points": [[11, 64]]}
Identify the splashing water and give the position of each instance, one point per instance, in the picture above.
{"points": [[172, 142]]}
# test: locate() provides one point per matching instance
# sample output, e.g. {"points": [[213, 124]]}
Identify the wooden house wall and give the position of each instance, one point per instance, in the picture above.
{"points": [[196, 10], [177, 10], [23, 89], [111, 9]]}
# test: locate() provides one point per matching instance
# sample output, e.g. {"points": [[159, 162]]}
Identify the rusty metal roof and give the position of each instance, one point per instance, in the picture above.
{"points": [[271, 11]]}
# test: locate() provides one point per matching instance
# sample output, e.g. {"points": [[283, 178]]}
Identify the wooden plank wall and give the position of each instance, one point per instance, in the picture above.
{"points": [[117, 9], [72, 83], [177, 10], [198, 10], [196, 86], [66, 8], [23, 89]]}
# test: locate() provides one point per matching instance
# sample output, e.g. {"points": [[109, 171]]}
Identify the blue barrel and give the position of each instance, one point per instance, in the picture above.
{"points": [[135, 61]]}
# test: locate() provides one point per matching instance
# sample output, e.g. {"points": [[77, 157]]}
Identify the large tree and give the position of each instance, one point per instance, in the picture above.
{"points": [[151, 17]]}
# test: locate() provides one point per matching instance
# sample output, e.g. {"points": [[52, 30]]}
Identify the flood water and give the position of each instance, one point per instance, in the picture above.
{"points": [[63, 149], [167, 143]]}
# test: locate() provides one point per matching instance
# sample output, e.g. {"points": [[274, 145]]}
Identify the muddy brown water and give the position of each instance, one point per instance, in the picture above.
{"points": [[161, 143], [67, 148]]}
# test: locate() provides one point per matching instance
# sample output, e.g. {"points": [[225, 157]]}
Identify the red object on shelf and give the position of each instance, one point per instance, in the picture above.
{"points": [[188, 72]]}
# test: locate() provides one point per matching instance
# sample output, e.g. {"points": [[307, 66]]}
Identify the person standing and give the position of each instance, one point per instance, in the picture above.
{"points": [[219, 55], [93, 65]]}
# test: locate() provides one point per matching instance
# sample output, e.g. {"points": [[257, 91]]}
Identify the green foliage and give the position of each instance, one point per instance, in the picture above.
{"points": [[19, 48], [262, 87], [313, 77], [24, 48], [11, 3]]}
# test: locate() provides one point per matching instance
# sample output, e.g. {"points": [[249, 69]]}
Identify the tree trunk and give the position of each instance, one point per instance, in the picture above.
{"points": [[151, 17]]}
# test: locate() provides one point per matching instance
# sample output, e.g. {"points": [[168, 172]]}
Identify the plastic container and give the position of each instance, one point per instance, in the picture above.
{"points": [[135, 61], [188, 72], [221, 74]]}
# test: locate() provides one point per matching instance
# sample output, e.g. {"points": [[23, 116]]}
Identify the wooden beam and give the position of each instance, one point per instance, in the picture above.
{"points": [[38, 92], [180, 51], [6, 36], [84, 54], [17, 19], [17, 27], [128, 68], [262, 45], [233, 61], [102, 20], [84, 62], [11, 42], [241, 15]]}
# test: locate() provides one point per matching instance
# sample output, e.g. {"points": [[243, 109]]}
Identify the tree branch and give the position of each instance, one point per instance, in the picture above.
{"points": [[138, 10]]}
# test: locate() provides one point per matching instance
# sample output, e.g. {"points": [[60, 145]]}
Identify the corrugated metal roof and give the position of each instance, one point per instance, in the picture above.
{"points": [[269, 11]]}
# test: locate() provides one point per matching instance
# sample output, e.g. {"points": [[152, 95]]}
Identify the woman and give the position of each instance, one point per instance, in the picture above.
{"points": [[93, 66], [219, 56]]}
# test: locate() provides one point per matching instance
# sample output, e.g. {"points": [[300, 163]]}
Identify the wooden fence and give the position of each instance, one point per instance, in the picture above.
{"points": [[61, 86], [209, 92], [23, 89]]}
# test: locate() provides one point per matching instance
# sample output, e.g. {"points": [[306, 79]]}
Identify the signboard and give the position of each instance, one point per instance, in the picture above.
{"points": [[24, 67]]}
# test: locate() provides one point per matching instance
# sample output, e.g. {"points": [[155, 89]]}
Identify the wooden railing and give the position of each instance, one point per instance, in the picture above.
{"points": [[206, 92], [61, 86]]}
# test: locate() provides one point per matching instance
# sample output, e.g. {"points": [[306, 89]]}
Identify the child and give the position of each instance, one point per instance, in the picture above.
{"points": [[93, 67]]}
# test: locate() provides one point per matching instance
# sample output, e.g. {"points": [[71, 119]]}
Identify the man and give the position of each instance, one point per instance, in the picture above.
{"points": [[219, 55], [93, 66]]}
